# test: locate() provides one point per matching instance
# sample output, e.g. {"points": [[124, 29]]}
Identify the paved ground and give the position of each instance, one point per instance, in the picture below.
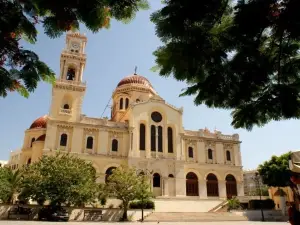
{"points": [[146, 223]]}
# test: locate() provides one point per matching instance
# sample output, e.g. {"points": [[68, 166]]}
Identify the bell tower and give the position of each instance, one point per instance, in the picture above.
{"points": [[69, 89]]}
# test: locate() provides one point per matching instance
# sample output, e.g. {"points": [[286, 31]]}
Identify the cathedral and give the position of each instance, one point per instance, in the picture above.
{"points": [[144, 132]]}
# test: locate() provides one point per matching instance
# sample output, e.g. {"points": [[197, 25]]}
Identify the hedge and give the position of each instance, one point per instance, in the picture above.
{"points": [[266, 204], [138, 205]]}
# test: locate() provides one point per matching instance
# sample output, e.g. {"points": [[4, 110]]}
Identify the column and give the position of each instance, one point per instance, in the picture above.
{"points": [[166, 186], [182, 156], [219, 153], [201, 152], [236, 155], [180, 187], [102, 142], [148, 139], [77, 140], [156, 143], [240, 188], [202, 189], [165, 141], [51, 134], [222, 189]]}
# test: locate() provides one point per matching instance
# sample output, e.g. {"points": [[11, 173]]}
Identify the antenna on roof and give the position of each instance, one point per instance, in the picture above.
{"points": [[135, 69]]}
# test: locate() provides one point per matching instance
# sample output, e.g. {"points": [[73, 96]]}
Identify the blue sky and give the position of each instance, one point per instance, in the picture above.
{"points": [[113, 54]]}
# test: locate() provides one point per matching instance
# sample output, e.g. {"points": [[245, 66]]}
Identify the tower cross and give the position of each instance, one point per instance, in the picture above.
{"points": [[135, 69]]}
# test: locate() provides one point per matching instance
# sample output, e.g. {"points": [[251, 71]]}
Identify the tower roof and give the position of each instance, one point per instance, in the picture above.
{"points": [[136, 80], [39, 123]]}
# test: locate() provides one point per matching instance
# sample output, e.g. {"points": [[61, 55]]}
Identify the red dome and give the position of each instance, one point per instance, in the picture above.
{"points": [[39, 123], [41, 138], [135, 79]]}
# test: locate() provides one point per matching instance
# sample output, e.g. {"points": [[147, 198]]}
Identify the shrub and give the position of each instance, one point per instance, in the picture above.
{"points": [[266, 204], [233, 203], [111, 206], [138, 205]]}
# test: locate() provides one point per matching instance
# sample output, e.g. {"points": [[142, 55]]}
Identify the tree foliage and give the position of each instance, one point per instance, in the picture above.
{"points": [[21, 69], [275, 172], [126, 185], [10, 183], [242, 56], [61, 179]]}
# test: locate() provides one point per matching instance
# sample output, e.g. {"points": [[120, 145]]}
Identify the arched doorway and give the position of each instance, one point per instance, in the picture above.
{"points": [[192, 188], [157, 187], [109, 172], [231, 187], [212, 185]]}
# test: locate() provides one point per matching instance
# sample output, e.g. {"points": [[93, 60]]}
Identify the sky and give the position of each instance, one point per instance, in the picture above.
{"points": [[113, 54]]}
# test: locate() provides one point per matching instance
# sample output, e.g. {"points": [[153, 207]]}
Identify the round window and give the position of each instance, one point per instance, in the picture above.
{"points": [[156, 117]]}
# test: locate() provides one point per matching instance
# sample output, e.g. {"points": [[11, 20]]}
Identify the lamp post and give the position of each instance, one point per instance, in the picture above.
{"points": [[257, 182], [143, 172]]}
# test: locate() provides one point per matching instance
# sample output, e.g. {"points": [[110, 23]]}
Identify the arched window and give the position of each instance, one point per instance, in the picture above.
{"points": [[153, 138], [228, 156], [170, 140], [89, 142], [212, 186], [126, 103], [156, 180], [171, 175], [160, 139], [32, 140], [142, 137], [192, 184], [63, 140], [29, 161], [121, 103], [191, 152], [210, 154], [114, 145], [71, 74], [66, 106], [109, 172]]}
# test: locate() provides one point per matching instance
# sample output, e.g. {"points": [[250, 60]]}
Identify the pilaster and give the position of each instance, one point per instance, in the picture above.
{"points": [[222, 189], [240, 188], [202, 189], [165, 186]]}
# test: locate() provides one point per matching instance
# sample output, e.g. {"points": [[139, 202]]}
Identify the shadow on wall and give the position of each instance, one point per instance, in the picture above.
{"points": [[78, 214]]}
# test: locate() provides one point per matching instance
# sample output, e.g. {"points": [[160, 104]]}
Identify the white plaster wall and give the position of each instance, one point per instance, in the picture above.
{"points": [[169, 205]]}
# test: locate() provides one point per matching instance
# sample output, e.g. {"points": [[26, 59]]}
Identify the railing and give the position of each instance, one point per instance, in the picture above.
{"points": [[104, 122], [72, 82], [215, 135], [65, 111]]}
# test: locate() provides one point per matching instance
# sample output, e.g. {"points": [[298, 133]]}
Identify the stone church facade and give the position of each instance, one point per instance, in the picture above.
{"points": [[144, 131]]}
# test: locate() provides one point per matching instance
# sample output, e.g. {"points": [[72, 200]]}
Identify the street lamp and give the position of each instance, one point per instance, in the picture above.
{"points": [[256, 179], [143, 172]]}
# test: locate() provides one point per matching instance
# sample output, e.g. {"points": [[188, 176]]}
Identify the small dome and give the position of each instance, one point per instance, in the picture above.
{"points": [[41, 138], [135, 79], [39, 123]]}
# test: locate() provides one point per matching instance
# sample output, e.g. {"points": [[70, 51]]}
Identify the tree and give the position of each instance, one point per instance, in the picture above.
{"points": [[249, 66], [21, 69], [275, 172], [126, 185], [144, 193], [10, 182], [61, 179]]}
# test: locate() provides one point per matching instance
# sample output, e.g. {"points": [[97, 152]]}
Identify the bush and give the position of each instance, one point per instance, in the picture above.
{"points": [[138, 205], [233, 203], [266, 204]]}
